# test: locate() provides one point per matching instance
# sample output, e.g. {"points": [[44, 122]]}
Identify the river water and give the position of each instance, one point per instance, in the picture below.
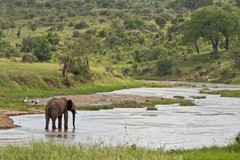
{"points": [[214, 120]]}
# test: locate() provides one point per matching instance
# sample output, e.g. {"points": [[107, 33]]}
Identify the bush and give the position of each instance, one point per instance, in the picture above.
{"points": [[53, 38], [42, 49], [236, 57], [76, 34], [134, 23], [81, 25], [30, 58], [164, 67]]}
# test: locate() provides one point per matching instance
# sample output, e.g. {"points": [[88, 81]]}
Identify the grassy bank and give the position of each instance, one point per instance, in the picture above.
{"points": [[19, 80], [225, 93], [51, 150]]}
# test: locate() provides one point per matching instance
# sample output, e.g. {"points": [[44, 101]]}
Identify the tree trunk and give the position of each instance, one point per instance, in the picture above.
{"points": [[65, 71], [227, 42], [197, 48], [215, 48]]}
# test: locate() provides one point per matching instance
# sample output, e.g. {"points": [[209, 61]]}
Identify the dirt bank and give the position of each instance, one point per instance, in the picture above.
{"points": [[7, 122]]}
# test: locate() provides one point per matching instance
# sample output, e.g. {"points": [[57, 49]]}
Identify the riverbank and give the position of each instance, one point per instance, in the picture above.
{"points": [[8, 123]]}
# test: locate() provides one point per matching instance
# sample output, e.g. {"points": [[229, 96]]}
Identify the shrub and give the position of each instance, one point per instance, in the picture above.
{"points": [[164, 67], [53, 38], [236, 57], [28, 58], [81, 25], [42, 49], [134, 23], [76, 34]]}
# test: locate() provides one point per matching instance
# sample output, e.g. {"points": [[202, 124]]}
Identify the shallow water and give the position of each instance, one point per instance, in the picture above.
{"points": [[214, 121]]}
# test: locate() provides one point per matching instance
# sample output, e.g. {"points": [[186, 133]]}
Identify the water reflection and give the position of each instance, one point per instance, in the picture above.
{"points": [[64, 134]]}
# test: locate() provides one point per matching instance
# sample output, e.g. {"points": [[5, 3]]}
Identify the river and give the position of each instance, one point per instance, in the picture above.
{"points": [[215, 120]]}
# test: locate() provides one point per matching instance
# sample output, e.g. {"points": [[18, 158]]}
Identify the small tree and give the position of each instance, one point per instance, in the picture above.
{"points": [[42, 49], [76, 59], [28, 44], [33, 26]]}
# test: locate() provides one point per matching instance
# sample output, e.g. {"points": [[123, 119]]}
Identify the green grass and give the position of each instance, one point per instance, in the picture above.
{"points": [[198, 97], [179, 97], [94, 108], [225, 93], [152, 109], [19, 80], [99, 151], [187, 103], [162, 102]]}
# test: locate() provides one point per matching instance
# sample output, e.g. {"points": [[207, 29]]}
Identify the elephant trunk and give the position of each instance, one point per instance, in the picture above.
{"points": [[74, 113]]}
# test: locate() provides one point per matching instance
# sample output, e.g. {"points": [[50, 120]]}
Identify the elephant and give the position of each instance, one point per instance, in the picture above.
{"points": [[55, 108]]}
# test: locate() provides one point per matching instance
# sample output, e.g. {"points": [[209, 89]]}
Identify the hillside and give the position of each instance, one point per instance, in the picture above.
{"points": [[127, 38]]}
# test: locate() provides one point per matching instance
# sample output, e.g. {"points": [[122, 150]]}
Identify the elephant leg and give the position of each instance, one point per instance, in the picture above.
{"points": [[66, 120], [60, 122], [53, 123], [47, 121]]}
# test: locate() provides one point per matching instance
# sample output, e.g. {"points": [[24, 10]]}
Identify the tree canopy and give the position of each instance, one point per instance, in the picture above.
{"points": [[210, 23]]}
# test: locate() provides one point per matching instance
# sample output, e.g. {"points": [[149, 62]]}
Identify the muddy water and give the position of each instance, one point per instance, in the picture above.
{"points": [[214, 121]]}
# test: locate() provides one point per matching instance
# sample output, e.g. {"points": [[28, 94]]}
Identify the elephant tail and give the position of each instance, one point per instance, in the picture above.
{"points": [[48, 112]]}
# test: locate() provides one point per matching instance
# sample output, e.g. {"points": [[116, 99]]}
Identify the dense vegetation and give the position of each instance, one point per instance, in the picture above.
{"points": [[193, 40]]}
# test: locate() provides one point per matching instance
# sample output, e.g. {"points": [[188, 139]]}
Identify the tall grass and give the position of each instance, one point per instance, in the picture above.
{"points": [[51, 150]]}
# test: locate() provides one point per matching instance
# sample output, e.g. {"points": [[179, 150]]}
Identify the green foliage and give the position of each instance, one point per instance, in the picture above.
{"points": [[152, 109], [238, 3], [94, 108], [194, 4], [162, 102], [28, 57], [209, 23], [33, 26], [198, 97], [187, 103], [42, 49], [52, 150], [235, 54], [76, 34], [81, 25], [164, 67], [160, 21], [134, 23], [179, 97], [53, 38], [225, 93], [28, 44]]}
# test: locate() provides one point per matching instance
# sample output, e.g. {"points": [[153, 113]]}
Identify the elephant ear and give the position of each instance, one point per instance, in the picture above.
{"points": [[69, 104]]}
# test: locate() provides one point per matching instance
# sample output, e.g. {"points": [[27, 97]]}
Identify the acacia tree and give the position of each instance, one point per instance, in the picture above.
{"points": [[210, 23]]}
